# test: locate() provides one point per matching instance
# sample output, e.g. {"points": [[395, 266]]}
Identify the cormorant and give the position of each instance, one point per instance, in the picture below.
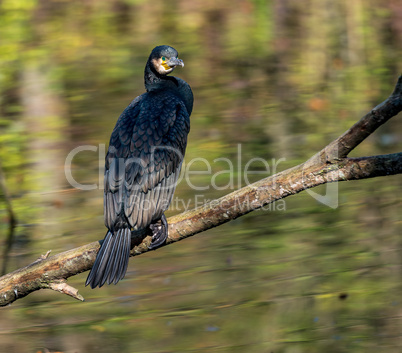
{"points": [[142, 165]]}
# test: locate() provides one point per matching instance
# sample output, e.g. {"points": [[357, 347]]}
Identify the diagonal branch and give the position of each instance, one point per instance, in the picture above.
{"points": [[331, 164]]}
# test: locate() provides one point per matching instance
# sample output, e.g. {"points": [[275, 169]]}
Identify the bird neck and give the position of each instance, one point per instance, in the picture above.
{"points": [[153, 80]]}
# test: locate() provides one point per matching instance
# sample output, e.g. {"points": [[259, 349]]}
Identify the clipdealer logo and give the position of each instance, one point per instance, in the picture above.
{"points": [[202, 175]]}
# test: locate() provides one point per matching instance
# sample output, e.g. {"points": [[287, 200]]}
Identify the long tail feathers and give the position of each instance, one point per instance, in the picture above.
{"points": [[112, 259]]}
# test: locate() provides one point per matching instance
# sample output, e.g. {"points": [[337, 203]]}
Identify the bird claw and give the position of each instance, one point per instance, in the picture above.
{"points": [[159, 233]]}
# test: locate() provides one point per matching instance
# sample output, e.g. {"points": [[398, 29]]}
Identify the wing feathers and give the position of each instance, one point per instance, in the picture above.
{"points": [[144, 160]]}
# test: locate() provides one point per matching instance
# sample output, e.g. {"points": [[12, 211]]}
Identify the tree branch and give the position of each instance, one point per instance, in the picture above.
{"points": [[331, 164], [348, 141]]}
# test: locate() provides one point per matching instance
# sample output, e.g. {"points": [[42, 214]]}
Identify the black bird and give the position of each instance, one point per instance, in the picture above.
{"points": [[142, 165]]}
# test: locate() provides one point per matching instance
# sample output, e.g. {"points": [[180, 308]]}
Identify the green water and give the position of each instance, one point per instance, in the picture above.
{"points": [[273, 82]]}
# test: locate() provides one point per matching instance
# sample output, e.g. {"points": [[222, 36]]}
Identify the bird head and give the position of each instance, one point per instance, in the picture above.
{"points": [[164, 59]]}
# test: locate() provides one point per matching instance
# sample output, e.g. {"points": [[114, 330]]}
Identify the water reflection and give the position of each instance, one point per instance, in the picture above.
{"points": [[280, 78]]}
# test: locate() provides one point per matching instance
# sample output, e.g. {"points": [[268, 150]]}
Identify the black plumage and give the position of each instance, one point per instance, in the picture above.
{"points": [[142, 165]]}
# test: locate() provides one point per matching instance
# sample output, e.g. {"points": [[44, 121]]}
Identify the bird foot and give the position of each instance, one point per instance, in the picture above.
{"points": [[159, 233]]}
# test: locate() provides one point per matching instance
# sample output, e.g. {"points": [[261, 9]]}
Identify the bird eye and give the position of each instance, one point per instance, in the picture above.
{"points": [[163, 58]]}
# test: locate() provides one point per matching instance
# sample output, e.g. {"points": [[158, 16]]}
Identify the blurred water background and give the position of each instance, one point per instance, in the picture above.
{"points": [[274, 80]]}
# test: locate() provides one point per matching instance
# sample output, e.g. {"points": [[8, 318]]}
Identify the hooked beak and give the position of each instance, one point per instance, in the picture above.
{"points": [[173, 62]]}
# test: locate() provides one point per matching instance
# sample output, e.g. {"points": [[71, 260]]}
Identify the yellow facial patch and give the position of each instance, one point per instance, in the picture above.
{"points": [[165, 65], [161, 65]]}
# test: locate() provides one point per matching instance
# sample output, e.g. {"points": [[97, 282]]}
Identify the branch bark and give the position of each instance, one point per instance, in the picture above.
{"points": [[331, 164]]}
